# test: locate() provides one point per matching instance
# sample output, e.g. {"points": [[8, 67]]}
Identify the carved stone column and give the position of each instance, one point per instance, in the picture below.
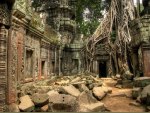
{"points": [[3, 66]]}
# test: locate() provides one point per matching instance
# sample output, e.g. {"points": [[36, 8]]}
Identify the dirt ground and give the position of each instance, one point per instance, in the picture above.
{"points": [[121, 102]]}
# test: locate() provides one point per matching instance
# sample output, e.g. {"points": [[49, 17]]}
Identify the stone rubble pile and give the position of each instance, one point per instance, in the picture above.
{"points": [[63, 94], [141, 91]]}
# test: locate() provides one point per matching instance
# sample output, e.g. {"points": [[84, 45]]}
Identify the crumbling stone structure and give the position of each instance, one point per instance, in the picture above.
{"points": [[61, 16], [26, 49], [140, 43], [5, 23]]}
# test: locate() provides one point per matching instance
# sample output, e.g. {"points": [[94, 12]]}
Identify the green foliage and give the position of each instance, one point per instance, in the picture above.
{"points": [[95, 7]]}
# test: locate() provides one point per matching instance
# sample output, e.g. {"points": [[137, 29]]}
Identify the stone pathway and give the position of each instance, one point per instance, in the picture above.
{"points": [[120, 99]]}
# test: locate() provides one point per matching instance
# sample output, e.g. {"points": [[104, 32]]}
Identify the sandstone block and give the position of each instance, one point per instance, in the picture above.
{"points": [[40, 99], [71, 90], [99, 92], [26, 104]]}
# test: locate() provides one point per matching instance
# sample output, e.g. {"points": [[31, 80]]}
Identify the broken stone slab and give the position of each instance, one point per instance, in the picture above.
{"points": [[81, 87], [86, 97], [52, 92], [71, 90], [62, 103], [141, 81], [13, 108], [145, 95], [99, 93], [40, 99], [128, 75], [62, 82], [136, 92], [26, 104], [127, 84], [76, 80], [44, 108], [90, 86], [94, 107]]}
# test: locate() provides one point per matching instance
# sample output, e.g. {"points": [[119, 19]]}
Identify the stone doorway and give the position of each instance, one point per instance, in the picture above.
{"points": [[29, 63], [103, 69], [43, 68]]}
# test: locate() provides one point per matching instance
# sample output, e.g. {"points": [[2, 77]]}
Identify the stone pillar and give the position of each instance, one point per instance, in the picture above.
{"points": [[5, 18], [3, 66]]}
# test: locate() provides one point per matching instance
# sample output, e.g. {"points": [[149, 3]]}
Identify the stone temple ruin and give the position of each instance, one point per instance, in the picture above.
{"points": [[40, 51]]}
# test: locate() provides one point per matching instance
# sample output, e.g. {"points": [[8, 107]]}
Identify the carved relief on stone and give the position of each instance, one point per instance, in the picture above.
{"points": [[4, 14]]}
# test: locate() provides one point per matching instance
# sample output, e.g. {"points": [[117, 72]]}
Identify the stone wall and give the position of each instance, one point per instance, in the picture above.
{"points": [[5, 18], [140, 43]]}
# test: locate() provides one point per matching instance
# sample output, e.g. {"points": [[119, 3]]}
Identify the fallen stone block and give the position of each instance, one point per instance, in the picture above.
{"points": [[44, 108], [40, 99], [62, 103], [13, 108], [90, 86], [127, 84], [136, 92], [52, 92], [26, 104], [81, 87], [99, 92], [71, 90], [86, 97], [76, 80], [95, 107], [141, 81], [145, 95]]}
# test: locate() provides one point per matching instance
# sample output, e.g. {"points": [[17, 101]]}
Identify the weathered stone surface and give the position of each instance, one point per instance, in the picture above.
{"points": [[95, 107], [81, 87], [62, 103], [118, 76], [136, 92], [71, 90], [40, 99], [26, 104], [52, 93], [76, 80], [91, 86], [127, 84], [99, 92], [118, 94], [86, 98], [145, 95], [128, 75], [44, 108], [135, 104], [14, 108], [141, 81]]}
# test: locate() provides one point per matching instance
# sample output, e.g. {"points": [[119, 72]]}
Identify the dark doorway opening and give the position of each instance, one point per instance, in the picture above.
{"points": [[29, 63], [43, 68], [102, 69]]}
